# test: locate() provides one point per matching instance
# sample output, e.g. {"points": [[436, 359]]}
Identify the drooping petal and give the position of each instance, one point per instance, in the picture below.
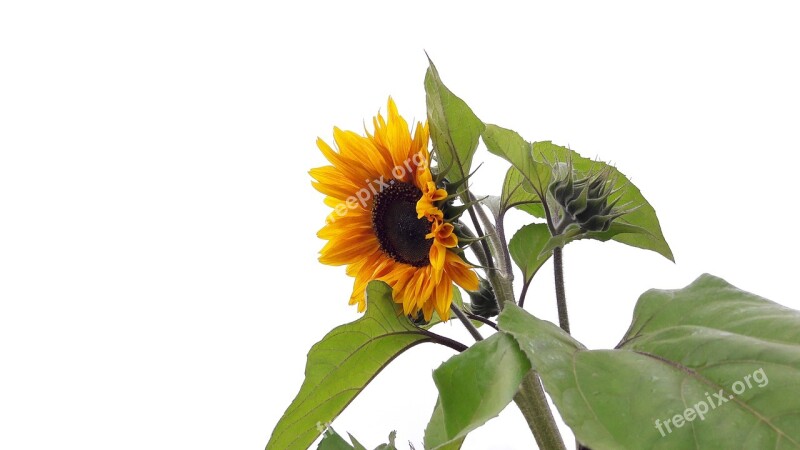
{"points": [[443, 297], [461, 273], [437, 255], [444, 235]]}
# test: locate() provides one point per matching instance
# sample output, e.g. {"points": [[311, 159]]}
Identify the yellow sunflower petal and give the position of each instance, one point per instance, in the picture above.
{"points": [[362, 149], [427, 311], [361, 167], [349, 162], [355, 220], [460, 272], [443, 297], [443, 233], [398, 136], [348, 249], [437, 256]]}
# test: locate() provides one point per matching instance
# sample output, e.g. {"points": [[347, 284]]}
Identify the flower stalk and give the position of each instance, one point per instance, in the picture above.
{"points": [[465, 321], [561, 296], [532, 402], [530, 398]]}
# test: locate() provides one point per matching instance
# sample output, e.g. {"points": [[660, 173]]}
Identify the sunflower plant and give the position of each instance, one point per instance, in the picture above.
{"points": [[706, 366]]}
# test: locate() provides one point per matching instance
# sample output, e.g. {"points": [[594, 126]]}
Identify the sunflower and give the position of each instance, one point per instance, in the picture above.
{"points": [[386, 224]]}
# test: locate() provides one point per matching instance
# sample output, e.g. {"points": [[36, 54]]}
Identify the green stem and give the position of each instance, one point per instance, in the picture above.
{"points": [[484, 258], [524, 293], [502, 278], [484, 246], [443, 340], [533, 404], [501, 235], [484, 320], [561, 296], [497, 244], [467, 324], [530, 398], [561, 301]]}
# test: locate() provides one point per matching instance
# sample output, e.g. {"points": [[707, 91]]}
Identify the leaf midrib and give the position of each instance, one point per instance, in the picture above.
{"points": [[356, 388]]}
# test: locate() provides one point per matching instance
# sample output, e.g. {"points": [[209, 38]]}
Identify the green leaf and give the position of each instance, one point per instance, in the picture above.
{"points": [[388, 446], [435, 432], [454, 128], [475, 386], [574, 234], [526, 248], [357, 445], [342, 364], [332, 441], [517, 196], [713, 303], [721, 365], [509, 145], [644, 216], [533, 165]]}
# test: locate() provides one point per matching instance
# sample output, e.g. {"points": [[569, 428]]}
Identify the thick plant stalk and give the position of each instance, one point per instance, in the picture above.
{"points": [[532, 402], [530, 398], [561, 301]]}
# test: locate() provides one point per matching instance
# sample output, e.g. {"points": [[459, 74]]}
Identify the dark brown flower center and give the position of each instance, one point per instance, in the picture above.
{"points": [[394, 219]]}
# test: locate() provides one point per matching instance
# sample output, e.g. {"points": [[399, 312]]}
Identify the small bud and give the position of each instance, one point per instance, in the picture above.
{"points": [[483, 302], [418, 319], [585, 201]]}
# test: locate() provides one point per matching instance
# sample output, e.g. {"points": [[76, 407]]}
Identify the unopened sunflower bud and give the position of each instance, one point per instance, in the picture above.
{"points": [[418, 319], [584, 202], [483, 302]]}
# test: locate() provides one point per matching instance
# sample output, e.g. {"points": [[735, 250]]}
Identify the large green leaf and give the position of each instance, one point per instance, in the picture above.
{"points": [[509, 145], [714, 304], [475, 386], [705, 367], [515, 195], [342, 364], [533, 161], [574, 233], [526, 248], [454, 128], [435, 432], [643, 217]]}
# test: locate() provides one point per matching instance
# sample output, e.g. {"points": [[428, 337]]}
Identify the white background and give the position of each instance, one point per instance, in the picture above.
{"points": [[159, 286]]}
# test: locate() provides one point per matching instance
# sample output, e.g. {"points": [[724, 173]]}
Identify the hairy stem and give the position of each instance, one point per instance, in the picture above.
{"points": [[501, 235], [501, 279], [467, 324], [444, 340], [496, 241], [530, 398], [524, 292], [561, 296], [533, 404], [484, 246], [484, 320]]}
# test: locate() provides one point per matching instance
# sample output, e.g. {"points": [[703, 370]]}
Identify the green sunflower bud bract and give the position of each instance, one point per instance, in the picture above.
{"points": [[418, 319], [584, 201], [452, 211], [483, 302]]}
